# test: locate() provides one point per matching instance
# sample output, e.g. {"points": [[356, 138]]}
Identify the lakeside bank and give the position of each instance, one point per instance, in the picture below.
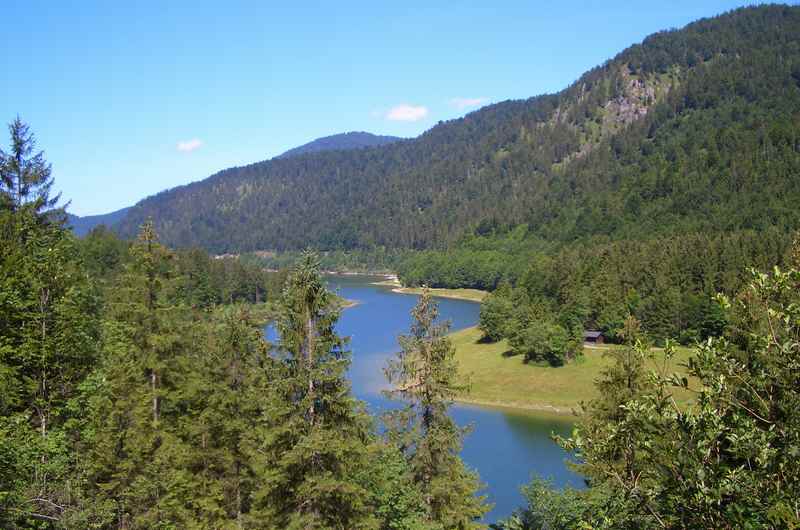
{"points": [[471, 295], [499, 379]]}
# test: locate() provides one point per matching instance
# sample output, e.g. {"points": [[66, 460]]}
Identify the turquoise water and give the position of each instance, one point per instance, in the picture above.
{"points": [[504, 447]]}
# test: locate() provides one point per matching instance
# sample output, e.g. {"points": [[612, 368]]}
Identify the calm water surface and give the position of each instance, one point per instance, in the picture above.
{"points": [[505, 447]]}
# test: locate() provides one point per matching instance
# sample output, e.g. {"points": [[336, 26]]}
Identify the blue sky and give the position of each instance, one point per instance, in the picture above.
{"points": [[130, 98]]}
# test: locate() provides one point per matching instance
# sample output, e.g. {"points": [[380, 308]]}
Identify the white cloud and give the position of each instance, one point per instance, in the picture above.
{"points": [[407, 112], [187, 146], [465, 103]]}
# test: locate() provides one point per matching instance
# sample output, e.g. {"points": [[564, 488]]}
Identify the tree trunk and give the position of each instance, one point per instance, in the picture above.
{"points": [[153, 386], [309, 355], [44, 298], [238, 495]]}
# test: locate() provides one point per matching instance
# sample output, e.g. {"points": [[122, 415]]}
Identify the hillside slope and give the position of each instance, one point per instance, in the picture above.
{"points": [[83, 225], [692, 130], [341, 142]]}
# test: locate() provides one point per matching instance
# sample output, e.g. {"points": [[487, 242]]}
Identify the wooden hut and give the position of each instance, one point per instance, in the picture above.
{"points": [[593, 337]]}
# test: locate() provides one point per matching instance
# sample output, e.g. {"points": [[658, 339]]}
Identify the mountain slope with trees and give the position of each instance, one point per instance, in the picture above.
{"points": [[82, 225], [681, 133], [137, 391], [341, 142]]}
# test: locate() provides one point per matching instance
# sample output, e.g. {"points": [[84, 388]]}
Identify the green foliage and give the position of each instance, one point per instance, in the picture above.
{"points": [[135, 392], [679, 134], [728, 459], [376, 260], [48, 340], [667, 284], [548, 508], [738, 439], [25, 179], [313, 441], [399, 504], [424, 377], [540, 341], [496, 311]]}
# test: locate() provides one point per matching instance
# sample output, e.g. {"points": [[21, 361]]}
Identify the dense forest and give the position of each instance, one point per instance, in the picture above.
{"points": [[681, 133], [666, 282], [728, 459], [137, 389], [378, 260], [652, 181], [655, 200]]}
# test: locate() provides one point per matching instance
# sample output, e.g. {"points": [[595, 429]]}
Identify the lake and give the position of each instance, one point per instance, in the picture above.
{"points": [[505, 446]]}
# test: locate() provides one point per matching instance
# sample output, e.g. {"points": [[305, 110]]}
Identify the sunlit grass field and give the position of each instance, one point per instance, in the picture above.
{"points": [[502, 380]]}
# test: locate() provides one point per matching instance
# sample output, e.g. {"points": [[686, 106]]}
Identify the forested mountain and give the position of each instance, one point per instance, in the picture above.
{"points": [[137, 389], [83, 225], [341, 142], [691, 130]]}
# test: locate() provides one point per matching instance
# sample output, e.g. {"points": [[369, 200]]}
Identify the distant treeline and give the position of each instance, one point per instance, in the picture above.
{"points": [[666, 282], [204, 281], [376, 260], [684, 149]]}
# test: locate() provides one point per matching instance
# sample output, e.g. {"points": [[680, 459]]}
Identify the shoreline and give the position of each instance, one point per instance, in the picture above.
{"points": [[538, 409], [469, 295], [346, 303], [499, 379]]}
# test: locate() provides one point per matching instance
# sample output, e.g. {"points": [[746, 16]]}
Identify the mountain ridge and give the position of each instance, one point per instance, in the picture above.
{"points": [[82, 225], [341, 142], [603, 157]]}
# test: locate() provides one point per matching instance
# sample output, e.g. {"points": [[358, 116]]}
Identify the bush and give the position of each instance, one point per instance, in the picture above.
{"points": [[541, 341], [496, 311]]}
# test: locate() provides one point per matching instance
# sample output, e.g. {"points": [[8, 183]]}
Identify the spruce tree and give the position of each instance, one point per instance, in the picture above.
{"points": [[424, 376], [227, 390], [314, 437], [25, 176], [48, 344], [727, 458], [140, 451]]}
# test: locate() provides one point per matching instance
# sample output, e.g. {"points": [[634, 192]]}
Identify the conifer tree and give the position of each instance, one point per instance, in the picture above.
{"points": [[424, 376], [726, 459], [25, 177], [313, 442], [48, 337], [139, 451], [626, 378], [227, 389]]}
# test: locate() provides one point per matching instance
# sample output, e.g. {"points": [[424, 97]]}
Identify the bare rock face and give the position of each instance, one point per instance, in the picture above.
{"points": [[631, 102], [635, 101]]}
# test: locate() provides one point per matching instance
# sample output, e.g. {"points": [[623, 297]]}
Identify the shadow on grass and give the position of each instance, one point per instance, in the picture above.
{"points": [[485, 340]]}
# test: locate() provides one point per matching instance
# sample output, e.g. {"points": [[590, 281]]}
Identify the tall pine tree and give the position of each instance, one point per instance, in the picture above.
{"points": [[424, 376], [48, 340], [25, 176], [314, 438]]}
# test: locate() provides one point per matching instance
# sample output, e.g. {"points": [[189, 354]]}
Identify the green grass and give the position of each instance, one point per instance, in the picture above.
{"points": [[473, 295], [506, 381]]}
